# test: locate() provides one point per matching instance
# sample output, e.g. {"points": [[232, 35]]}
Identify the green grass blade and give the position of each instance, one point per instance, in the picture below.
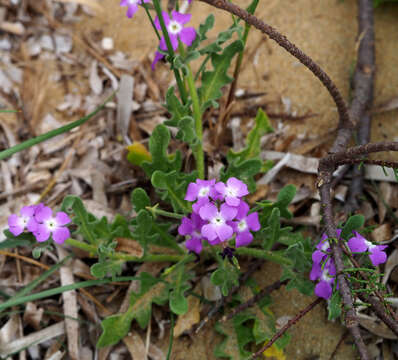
{"points": [[63, 129], [61, 289], [36, 282]]}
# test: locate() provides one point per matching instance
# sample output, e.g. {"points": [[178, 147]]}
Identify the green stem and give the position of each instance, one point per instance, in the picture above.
{"points": [[263, 254], [156, 211], [151, 20], [39, 139], [92, 249], [170, 49], [197, 115], [178, 200]]}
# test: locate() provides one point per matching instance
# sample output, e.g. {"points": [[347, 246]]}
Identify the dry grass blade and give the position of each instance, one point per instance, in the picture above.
{"points": [[70, 308], [93, 4], [34, 338]]}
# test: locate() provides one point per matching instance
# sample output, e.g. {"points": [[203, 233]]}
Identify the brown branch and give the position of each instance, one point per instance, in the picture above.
{"points": [[287, 326], [362, 103], [249, 303], [389, 164], [282, 41]]}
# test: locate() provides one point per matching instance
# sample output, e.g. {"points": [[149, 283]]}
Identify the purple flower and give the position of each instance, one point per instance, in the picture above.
{"points": [[191, 227], [233, 191], [326, 277], [217, 229], [244, 224], [132, 6], [47, 225], [359, 244], [18, 224], [323, 249], [176, 31], [200, 190]]}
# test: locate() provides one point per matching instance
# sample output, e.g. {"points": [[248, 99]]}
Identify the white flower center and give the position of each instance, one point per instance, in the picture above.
{"points": [[369, 245], [242, 225], [133, 2], [218, 221], [325, 246], [231, 191], [24, 220], [204, 191], [325, 276], [51, 225], [174, 27]]}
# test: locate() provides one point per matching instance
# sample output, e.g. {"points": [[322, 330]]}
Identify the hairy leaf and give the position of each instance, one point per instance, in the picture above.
{"points": [[213, 81], [158, 143], [226, 276], [353, 223], [140, 199]]}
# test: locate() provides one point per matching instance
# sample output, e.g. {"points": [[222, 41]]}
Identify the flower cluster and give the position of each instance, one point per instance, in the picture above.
{"points": [[323, 268], [218, 214], [39, 220], [177, 32]]}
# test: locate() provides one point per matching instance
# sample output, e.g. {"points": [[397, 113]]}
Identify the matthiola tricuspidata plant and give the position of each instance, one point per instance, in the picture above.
{"points": [[182, 218]]}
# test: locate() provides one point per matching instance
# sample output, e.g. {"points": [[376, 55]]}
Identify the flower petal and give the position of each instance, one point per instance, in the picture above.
{"points": [[42, 233], [377, 256], [61, 234], [317, 256], [323, 289], [62, 218], [194, 244], [244, 238], [243, 209], [232, 201], [208, 231], [192, 192], [181, 18], [316, 271], [27, 211], [220, 188], [188, 35], [186, 226], [157, 57], [43, 213], [240, 186], [253, 222], [14, 220], [32, 225], [208, 211], [357, 244], [224, 232], [131, 10], [228, 212]]}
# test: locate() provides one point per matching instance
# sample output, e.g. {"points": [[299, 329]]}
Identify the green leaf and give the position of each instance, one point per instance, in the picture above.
{"points": [[237, 336], [86, 223], [222, 37], [214, 81], [158, 143], [140, 199], [187, 131], [107, 267], [252, 7], [172, 188], [12, 241], [353, 223], [245, 171], [226, 277], [286, 195], [202, 31], [178, 301], [143, 231], [334, 306], [271, 233], [175, 108], [252, 149], [116, 327], [137, 154]]}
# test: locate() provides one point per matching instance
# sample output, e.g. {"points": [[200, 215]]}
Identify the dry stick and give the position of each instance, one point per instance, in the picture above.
{"points": [[342, 338], [383, 163], [343, 136], [287, 326], [363, 94], [351, 319], [253, 300]]}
